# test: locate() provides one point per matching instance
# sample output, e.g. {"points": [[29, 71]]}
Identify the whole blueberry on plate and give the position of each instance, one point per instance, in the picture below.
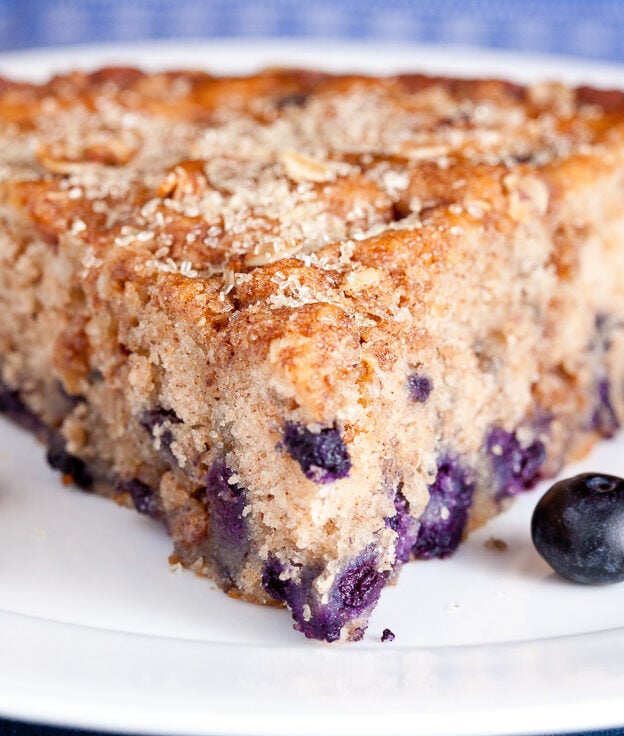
{"points": [[578, 528]]}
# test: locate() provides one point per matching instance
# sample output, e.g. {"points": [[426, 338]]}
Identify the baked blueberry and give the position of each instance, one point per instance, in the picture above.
{"points": [[446, 514], [578, 528], [354, 593], [69, 465], [406, 527], [226, 502], [419, 387], [142, 495], [153, 421], [359, 586], [516, 467], [604, 419], [152, 418], [323, 455], [312, 619]]}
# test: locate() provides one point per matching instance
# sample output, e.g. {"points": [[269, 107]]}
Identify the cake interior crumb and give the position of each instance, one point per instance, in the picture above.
{"points": [[495, 544]]}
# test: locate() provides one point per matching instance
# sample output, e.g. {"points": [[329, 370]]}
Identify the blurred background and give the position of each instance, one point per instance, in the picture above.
{"points": [[583, 28]]}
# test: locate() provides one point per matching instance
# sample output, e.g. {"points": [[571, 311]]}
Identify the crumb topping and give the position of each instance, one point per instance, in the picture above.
{"points": [[229, 183]]}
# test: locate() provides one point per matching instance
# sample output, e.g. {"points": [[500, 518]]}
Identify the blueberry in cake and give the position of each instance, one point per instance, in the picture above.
{"points": [[315, 325]]}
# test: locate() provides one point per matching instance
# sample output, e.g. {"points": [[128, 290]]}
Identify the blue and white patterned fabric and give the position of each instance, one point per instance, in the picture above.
{"points": [[588, 28]]}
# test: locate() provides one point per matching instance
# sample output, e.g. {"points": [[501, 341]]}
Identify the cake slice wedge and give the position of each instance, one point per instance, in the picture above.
{"points": [[317, 325]]}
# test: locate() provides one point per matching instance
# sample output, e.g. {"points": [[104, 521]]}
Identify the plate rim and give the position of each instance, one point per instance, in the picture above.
{"points": [[137, 656], [392, 55]]}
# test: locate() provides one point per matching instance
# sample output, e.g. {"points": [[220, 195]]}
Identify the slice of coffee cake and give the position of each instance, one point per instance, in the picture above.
{"points": [[317, 325]]}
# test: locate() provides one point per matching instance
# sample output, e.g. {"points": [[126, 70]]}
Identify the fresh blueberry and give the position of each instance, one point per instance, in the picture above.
{"points": [[444, 519], [419, 387], [578, 528], [323, 455], [516, 468]]}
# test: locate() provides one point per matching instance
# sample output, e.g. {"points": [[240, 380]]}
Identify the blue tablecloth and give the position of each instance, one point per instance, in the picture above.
{"points": [[10, 728], [572, 27]]}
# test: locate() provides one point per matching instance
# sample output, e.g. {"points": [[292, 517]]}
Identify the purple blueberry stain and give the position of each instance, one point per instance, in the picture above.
{"points": [[604, 419], [143, 496], [355, 592], [406, 527], [606, 325], [516, 467], [419, 387], [226, 503], [322, 455], [443, 522]]}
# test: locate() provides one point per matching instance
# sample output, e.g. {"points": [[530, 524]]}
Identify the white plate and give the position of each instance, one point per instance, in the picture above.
{"points": [[97, 631]]}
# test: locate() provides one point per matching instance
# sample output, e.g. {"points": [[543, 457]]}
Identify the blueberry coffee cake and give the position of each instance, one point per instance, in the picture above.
{"points": [[316, 325]]}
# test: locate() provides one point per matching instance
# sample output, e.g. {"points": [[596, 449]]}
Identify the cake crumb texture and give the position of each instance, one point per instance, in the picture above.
{"points": [[316, 325]]}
